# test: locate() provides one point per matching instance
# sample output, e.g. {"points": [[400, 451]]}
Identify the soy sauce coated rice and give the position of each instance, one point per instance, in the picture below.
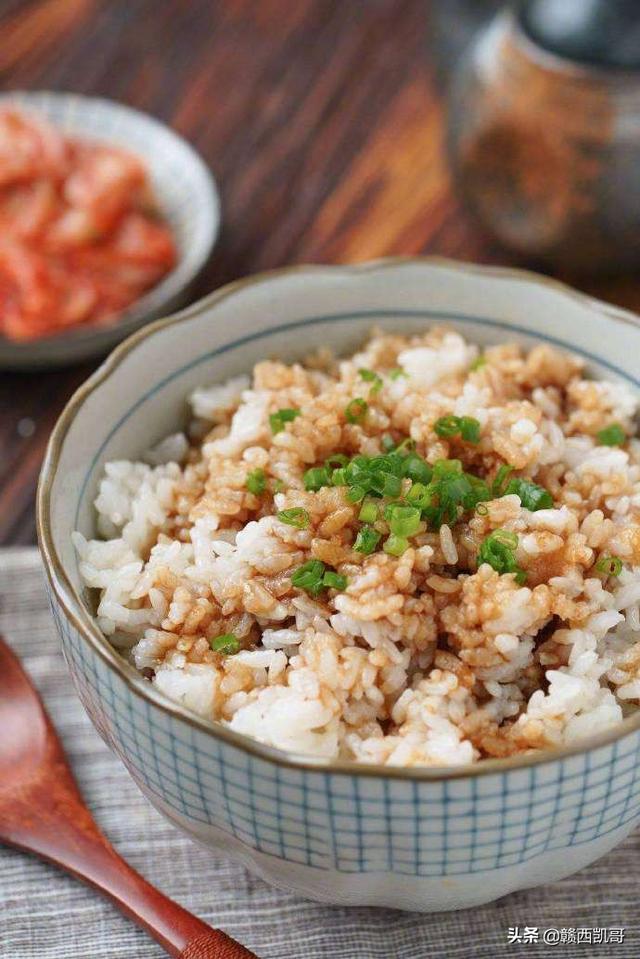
{"points": [[406, 652]]}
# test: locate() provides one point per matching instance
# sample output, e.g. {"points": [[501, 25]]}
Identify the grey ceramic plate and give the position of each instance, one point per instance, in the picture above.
{"points": [[185, 191]]}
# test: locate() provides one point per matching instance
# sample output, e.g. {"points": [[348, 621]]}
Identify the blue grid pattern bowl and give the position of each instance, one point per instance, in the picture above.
{"points": [[424, 839], [183, 187]]}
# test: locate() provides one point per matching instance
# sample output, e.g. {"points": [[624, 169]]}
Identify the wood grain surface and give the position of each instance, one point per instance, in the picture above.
{"points": [[321, 119]]}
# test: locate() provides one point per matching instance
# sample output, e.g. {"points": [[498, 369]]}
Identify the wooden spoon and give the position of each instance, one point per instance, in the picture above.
{"points": [[42, 811]]}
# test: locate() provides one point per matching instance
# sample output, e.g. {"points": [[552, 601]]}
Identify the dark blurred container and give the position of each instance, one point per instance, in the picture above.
{"points": [[544, 132], [452, 26]]}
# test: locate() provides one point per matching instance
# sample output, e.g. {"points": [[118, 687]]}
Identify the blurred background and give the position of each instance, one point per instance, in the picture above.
{"points": [[325, 124]]}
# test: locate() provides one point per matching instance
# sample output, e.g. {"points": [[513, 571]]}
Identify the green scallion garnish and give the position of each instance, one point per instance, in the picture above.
{"points": [[465, 426], [395, 545], [227, 644], [386, 484], [370, 376], [355, 494], [295, 516], [612, 435], [334, 580], [309, 577], [278, 420], [397, 372], [368, 512], [256, 482], [419, 496], [417, 469], [366, 540], [478, 363], [500, 481], [356, 410], [404, 521], [470, 429], [447, 426], [609, 565], [498, 550], [313, 577], [339, 477], [532, 496], [316, 477]]}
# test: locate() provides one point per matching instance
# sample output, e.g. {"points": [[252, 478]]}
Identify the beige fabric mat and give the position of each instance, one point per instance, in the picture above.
{"points": [[47, 915]]}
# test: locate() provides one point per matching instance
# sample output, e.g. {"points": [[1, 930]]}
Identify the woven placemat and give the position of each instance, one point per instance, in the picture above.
{"points": [[45, 914]]}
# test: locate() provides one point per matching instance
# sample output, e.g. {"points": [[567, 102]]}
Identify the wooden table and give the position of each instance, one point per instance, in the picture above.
{"points": [[322, 120]]}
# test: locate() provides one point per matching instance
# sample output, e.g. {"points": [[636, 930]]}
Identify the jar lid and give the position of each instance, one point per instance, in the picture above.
{"points": [[605, 33]]}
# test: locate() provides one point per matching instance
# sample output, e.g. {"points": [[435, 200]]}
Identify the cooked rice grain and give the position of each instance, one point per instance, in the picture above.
{"points": [[412, 654]]}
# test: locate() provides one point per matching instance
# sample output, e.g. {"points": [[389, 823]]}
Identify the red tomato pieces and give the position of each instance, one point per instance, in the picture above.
{"points": [[80, 236]]}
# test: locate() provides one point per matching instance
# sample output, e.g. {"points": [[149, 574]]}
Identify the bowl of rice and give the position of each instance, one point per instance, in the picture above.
{"points": [[345, 562]]}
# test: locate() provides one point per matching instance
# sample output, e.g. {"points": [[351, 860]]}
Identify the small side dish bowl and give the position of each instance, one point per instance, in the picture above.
{"points": [[186, 195], [420, 838]]}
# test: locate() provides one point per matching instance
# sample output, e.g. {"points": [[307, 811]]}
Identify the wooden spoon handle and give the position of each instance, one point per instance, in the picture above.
{"points": [[208, 947], [42, 811], [80, 848], [66, 834]]}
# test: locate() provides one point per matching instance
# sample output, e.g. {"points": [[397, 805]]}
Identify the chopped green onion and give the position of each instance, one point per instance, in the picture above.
{"points": [[370, 376], [366, 540], [356, 410], [227, 644], [417, 469], [387, 512], [386, 484], [446, 468], [407, 444], [419, 496], [482, 509], [478, 363], [335, 461], [396, 373], [256, 482], [277, 420], [355, 494], [612, 435], [395, 545], [506, 538], [277, 486], [316, 477], [368, 512], [498, 550], [470, 429], [447, 426], [309, 577], [339, 477], [296, 516], [609, 565], [405, 521], [500, 481], [388, 463], [334, 580], [478, 492], [532, 496], [388, 443]]}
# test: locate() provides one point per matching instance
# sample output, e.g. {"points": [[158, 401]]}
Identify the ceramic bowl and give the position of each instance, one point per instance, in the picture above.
{"points": [[422, 838], [184, 189]]}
